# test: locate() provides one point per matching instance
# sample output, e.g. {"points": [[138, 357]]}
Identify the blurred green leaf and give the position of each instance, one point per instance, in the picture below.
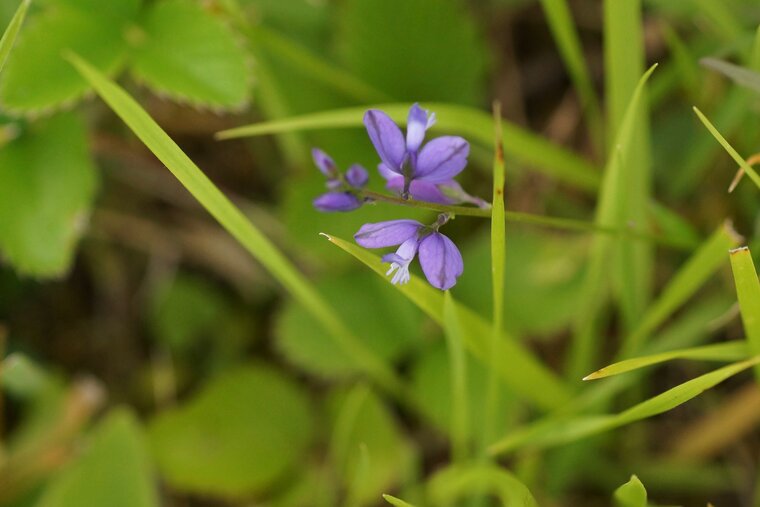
{"points": [[456, 482], [740, 75], [237, 224], [367, 448], [397, 502], [729, 351], [189, 54], [37, 79], [421, 50], [243, 431], [10, 33], [47, 184], [631, 494], [389, 327], [183, 310], [525, 374], [565, 430], [457, 366], [748, 292], [520, 143], [21, 377], [113, 470]]}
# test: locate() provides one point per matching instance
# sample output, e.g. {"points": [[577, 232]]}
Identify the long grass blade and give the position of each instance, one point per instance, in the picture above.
{"points": [[453, 483], [397, 502], [730, 149], [574, 429], [748, 292], [460, 406], [517, 367], [11, 32], [729, 351], [521, 144], [609, 213], [232, 219]]}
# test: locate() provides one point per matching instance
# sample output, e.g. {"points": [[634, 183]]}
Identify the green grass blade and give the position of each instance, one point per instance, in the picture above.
{"points": [[684, 284], [738, 74], [624, 58], [729, 351], [232, 219], [518, 368], [521, 144], [558, 432], [498, 259], [453, 483], [748, 292], [460, 432], [9, 36], [397, 502], [609, 213], [731, 151], [631, 494], [569, 44]]}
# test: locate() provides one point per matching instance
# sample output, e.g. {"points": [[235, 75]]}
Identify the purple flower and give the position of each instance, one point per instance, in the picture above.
{"points": [[439, 257], [407, 165], [342, 188]]}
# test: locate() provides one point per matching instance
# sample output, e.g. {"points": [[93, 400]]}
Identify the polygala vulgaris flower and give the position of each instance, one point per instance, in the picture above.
{"points": [[424, 172], [439, 256], [342, 187]]}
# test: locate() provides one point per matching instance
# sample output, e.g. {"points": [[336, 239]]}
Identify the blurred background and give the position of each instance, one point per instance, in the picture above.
{"points": [[152, 361]]}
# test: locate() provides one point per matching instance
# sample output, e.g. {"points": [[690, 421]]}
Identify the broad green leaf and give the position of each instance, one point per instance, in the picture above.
{"points": [[731, 151], [624, 58], [740, 75], [236, 223], [411, 50], [748, 292], [10, 33], [568, 42], [47, 184], [685, 283], [460, 405], [729, 351], [610, 212], [242, 432], [183, 310], [368, 451], [188, 53], [631, 494], [567, 430], [397, 502], [37, 79], [458, 481], [517, 366], [476, 125], [389, 326], [112, 470]]}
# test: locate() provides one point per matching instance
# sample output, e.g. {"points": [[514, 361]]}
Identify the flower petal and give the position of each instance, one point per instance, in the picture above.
{"points": [[440, 260], [441, 159], [454, 192], [324, 162], [357, 176], [390, 233], [386, 137], [416, 125], [388, 173], [336, 201], [420, 190]]}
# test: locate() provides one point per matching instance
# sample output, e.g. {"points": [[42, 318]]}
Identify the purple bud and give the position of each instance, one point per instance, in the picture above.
{"points": [[357, 176], [324, 163], [337, 201]]}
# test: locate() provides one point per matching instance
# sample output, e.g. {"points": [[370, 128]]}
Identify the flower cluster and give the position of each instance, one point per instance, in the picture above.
{"points": [[424, 172]]}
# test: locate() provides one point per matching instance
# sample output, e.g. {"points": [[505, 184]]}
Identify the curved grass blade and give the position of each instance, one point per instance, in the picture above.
{"points": [[739, 75], [455, 482], [748, 291], [9, 36], [567, 430], [609, 213], [525, 146], [631, 494], [731, 151], [517, 367], [729, 351], [236, 223], [397, 502]]}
